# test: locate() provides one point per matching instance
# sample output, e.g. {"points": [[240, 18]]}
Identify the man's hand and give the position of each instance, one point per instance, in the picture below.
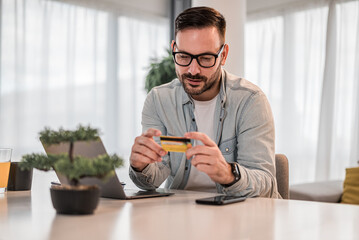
{"points": [[209, 159], [145, 150]]}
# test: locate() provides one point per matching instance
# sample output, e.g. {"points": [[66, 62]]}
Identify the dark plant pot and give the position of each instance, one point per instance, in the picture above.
{"points": [[19, 180], [75, 201]]}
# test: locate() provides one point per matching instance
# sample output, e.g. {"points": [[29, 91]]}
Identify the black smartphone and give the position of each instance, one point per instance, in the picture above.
{"points": [[220, 200]]}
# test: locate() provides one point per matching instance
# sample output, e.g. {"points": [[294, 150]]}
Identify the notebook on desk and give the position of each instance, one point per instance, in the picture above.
{"points": [[112, 188]]}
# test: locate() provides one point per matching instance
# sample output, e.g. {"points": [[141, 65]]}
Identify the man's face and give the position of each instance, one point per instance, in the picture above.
{"points": [[199, 82]]}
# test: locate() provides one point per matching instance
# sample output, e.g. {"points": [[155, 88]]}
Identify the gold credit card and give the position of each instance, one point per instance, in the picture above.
{"points": [[175, 144]]}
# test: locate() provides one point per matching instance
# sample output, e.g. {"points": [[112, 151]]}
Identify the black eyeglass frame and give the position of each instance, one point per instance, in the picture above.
{"points": [[197, 56]]}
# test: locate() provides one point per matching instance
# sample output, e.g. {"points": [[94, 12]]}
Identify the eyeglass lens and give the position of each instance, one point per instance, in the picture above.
{"points": [[203, 60]]}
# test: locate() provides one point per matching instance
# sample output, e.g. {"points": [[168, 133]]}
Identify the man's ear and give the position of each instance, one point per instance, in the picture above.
{"points": [[224, 54], [172, 45]]}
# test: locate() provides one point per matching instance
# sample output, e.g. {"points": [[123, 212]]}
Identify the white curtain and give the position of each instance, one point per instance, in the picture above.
{"points": [[306, 59], [62, 65]]}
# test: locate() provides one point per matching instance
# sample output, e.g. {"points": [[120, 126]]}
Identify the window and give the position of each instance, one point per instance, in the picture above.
{"points": [[62, 65], [304, 59]]}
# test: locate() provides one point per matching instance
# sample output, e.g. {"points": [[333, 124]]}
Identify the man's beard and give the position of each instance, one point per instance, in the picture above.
{"points": [[197, 90]]}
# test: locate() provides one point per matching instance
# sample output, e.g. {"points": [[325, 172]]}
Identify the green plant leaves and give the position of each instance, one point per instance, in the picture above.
{"points": [[99, 167], [38, 161], [160, 72], [48, 136]]}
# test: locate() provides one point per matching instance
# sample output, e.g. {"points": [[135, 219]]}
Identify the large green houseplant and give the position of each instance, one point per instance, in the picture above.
{"points": [[160, 72], [73, 198]]}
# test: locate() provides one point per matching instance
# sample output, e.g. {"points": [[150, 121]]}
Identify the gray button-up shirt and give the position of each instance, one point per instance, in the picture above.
{"points": [[244, 130]]}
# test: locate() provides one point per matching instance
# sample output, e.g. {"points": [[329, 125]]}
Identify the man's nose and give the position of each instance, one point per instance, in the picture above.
{"points": [[194, 67]]}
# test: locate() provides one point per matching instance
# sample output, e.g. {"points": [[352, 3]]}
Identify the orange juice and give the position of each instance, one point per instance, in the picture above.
{"points": [[4, 173]]}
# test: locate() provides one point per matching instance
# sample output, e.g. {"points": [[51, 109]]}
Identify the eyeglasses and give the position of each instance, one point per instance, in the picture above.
{"points": [[205, 60]]}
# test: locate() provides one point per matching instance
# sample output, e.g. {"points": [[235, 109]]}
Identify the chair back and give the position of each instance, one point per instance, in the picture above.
{"points": [[282, 175]]}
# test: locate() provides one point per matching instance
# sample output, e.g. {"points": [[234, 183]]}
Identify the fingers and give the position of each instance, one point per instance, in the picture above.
{"points": [[202, 137], [145, 150], [141, 156], [148, 149], [203, 159], [208, 169], [143, 144], [208, 158], [215, 168], [209, 148], [201, 150], [151, 132]]}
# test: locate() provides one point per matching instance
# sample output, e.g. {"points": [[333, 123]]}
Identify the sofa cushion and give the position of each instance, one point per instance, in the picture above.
{"points": [[327, 191]]}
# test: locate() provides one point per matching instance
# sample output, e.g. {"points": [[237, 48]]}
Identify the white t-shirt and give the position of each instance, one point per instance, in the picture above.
{"points": [[204, 115]]}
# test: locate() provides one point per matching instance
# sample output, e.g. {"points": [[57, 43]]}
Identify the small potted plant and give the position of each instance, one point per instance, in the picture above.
{"points": [[73, 198]]}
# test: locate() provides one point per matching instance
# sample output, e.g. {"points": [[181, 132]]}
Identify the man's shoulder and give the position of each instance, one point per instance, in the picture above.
{"points": [[167, 93], [239, 84], [173, 85]]}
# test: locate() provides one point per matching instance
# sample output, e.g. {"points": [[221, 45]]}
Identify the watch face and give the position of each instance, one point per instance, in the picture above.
{"points": [[235, 171]]}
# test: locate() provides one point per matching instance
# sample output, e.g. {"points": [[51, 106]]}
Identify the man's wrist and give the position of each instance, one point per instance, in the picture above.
{"points": [[138, 169], [230, 176], [235, 175]]}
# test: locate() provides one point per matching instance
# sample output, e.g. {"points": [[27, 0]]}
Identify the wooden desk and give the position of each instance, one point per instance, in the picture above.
{"points": [[30, 215]]}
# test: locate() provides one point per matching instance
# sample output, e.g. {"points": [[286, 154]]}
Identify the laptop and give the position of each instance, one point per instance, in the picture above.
{"points": [[112, 187]]}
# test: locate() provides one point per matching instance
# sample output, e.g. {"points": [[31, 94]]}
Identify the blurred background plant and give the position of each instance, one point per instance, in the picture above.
{"points": [[161, 71]]}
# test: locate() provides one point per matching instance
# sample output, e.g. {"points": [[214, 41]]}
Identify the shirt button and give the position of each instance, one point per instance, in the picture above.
{"points": [[227, 149]]}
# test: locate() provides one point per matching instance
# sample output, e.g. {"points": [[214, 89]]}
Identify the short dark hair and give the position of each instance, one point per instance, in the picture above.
{"points": [[201, 17]]}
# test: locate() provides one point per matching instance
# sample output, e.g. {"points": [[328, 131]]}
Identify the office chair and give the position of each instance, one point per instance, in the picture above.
{"points": [[282, 175]]}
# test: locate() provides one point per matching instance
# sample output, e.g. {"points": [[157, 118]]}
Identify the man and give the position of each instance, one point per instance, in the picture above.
{"points": [[228, 119]]}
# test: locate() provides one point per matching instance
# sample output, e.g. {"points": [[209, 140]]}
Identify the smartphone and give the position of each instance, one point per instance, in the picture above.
{"points": [[220, 200]]}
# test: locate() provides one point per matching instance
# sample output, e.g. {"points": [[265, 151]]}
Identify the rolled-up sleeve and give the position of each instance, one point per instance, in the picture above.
{"points": [[255, 149]]}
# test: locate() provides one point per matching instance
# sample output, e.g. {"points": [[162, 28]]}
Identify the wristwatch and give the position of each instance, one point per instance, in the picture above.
{"points": [[236, 173]]}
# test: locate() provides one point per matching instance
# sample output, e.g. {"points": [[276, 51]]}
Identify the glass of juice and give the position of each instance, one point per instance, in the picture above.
{"points": [[5, 161]]}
